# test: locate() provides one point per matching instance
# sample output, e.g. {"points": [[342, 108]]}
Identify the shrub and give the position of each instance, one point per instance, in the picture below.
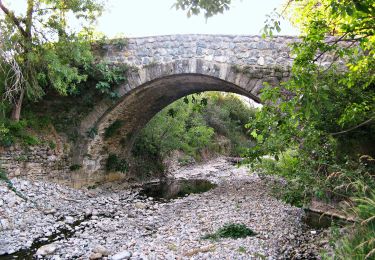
{"points": [[12, 132], [75, 167], [114, 163], [52, 145], [231, 230], [30, 140]]}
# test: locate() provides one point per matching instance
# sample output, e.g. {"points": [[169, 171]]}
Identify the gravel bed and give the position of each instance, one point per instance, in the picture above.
{"points": [[113, 222]]}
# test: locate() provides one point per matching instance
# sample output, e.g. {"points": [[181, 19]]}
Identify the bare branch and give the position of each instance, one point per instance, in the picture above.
{"points": [[354, 127], [14, 81], [15, 20]]}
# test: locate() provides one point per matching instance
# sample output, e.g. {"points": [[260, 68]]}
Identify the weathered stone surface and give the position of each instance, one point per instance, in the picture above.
{"points": [[166, 68], [34, 161]]}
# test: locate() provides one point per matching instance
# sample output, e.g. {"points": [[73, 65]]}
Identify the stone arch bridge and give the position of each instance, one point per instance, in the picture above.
{"points": [[167, 68]]}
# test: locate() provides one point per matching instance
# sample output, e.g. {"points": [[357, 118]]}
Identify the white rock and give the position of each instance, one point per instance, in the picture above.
{"points": [[122, 255], [4, 224], [140, 205], [101, 249], [95, 256], [46, 250], [261, 61], [69, 220]]}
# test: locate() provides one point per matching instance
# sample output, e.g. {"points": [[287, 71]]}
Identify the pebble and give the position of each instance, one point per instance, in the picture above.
{"points": [[4, 224], [69, 220], [94, 256], [114, 221], [101, 249], [122, 255], [140, 205]]}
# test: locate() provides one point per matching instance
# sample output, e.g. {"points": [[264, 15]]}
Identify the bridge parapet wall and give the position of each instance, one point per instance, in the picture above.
{"points": [[230, 49]]}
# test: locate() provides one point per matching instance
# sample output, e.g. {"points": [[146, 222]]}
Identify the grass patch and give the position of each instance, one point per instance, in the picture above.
{"points": [[231, 230], [242, 250]]}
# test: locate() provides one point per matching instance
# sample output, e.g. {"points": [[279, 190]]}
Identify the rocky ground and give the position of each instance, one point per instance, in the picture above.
{"points": [[113, 222]]}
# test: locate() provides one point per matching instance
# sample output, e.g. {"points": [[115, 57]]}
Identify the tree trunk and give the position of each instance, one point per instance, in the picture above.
{"points": [[16, 112]]}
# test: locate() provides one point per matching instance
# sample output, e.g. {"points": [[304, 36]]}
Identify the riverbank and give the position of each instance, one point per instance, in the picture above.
{"points": [[113, 219]]}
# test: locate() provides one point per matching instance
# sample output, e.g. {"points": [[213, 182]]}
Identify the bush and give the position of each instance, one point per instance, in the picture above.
{"points": [[30, 140], [231, 230], [11, 132], [114, 163]]}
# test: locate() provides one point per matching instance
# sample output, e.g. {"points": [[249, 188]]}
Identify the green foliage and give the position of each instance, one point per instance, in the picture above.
{"points": [[196, 125], [184, 129], [300, 185], [231, 230], [242, 249], [31, 140], [113, 129], [92, 132], [360, 244], [108, 76], [48, 54], [192, 124], [52, 145], [12, 132], [114, 163], [325, 113], [322, 107], [210, 7], [75, 167], [227, 115], [21, 158]]}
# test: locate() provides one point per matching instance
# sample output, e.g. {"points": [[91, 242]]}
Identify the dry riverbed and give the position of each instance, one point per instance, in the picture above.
{"points": [[113, 222]]}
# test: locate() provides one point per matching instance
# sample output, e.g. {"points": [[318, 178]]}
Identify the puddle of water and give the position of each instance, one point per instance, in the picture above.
{"points": [[172, 189], [317, 220]]}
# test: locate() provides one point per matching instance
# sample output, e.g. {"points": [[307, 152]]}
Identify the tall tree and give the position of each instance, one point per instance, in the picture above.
{"points": [[47, 50]]}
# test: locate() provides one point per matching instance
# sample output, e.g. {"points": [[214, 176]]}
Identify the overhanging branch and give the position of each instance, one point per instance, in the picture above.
{"points": [[354, 127]]}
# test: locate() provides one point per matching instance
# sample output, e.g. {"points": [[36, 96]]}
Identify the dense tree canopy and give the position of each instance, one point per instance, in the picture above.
{"points": [[324, 96], [48, 52]]}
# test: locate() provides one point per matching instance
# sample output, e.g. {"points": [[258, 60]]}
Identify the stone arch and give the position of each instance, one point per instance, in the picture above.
{"points": [[151, 88]]}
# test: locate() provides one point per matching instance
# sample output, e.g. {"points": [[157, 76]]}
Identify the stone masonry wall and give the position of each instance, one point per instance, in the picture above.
{"points": [[166, 68], [230, 49], [35, 161]]}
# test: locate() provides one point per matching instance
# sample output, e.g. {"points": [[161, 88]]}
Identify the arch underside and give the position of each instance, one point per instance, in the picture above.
{"points": [[138, 107]]}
